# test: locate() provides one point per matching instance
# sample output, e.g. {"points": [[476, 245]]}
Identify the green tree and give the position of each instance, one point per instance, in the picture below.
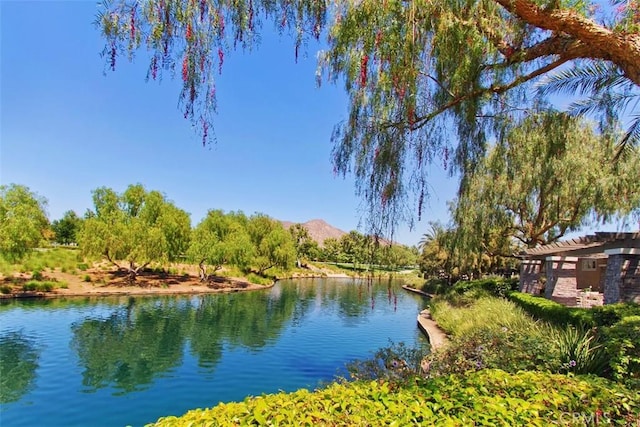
{"points": [[398, 256], [220, 239], [424, 78], [137, 227], [356, 248], [549, 175], [66, 228], [435, 250], [303, 243], [331, 250], [23, 221], [273, 244]]}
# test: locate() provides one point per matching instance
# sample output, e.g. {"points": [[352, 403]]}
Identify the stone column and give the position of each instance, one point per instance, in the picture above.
{"points": [[561, 283], [622, 276], [530, 276]]}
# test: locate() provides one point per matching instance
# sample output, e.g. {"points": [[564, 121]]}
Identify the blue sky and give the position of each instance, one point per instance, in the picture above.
{"points": [[66, 128]]}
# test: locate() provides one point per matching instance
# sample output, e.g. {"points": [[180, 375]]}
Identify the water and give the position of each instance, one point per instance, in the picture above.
{"points": [[130, 360]]}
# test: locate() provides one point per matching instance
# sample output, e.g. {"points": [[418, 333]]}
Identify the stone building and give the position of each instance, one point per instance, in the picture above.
{"points": [[589, 270]]}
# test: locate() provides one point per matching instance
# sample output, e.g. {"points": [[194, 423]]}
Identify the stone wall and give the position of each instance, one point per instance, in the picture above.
{"points": [[622, 278], [561, 280], [530, 282]]}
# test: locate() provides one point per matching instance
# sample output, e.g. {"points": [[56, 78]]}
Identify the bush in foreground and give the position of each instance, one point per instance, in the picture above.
{"points": [[485, 397]]}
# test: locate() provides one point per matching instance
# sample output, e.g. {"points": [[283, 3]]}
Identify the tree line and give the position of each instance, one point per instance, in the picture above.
{"points": [[137, 228]]}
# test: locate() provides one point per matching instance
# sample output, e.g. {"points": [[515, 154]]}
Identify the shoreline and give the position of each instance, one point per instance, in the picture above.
{"points": [[436, 335], [133, 291], [144, 288]]}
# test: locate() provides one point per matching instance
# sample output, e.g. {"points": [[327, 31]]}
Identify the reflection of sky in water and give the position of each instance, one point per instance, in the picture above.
{"points": [[231, 348]]}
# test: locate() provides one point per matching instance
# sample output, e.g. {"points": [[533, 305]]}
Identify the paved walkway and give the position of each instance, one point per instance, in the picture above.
{"points": [[437, 337]]}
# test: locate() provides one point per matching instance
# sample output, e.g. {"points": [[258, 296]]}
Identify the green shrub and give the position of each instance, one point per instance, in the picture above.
{"points": [[46, 286], [435, 286], [623, 346], [82, 266], [258, 280], [38, 286], [610, 314], [30, 286], [36, 275], [5, 289], [397, 363], [488, 397], [553, 312], [86, 278], [511, 350]]}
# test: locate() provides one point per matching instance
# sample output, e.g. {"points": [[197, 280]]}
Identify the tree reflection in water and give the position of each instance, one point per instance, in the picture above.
{"points": [[145, 338], [18, 363]]}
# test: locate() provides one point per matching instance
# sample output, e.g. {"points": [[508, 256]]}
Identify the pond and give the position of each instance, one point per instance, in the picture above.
{"points": [[130, 360]]}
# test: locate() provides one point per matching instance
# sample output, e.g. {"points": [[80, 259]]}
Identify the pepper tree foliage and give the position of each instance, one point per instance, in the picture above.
{"points": [[23, 221], [549, 175], [137, 226], [220, 239], [427, 79]]}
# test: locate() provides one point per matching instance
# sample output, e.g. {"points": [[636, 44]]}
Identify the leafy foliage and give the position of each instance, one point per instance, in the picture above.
{"points": [[550, 174], [623, 345], [398, 364], [274, 245], [23, 221], [617, 327], [137, 226], [484, 397], [304, 245], [582, 351], [424, 78], [66, 228], [553, 312], [221, 239]]}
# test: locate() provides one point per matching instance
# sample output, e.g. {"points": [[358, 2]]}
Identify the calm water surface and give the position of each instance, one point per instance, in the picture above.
{"points": [[130, 360]]}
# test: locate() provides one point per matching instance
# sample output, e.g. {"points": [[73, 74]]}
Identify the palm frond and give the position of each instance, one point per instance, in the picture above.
{"points": [[631, 138], [612, 101], [590, 78]]}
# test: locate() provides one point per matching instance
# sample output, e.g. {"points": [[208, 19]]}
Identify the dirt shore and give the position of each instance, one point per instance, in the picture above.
{"points": [[101, 282]]}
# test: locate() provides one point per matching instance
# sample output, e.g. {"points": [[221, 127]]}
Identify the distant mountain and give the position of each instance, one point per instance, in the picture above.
{"points": [[319, 230]]}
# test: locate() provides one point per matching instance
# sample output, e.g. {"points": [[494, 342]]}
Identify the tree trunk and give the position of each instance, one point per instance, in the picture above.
{"points": [[587, 39], [203, 271]]}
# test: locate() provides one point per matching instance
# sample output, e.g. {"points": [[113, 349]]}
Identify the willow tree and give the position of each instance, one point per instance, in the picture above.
{"points": [[220, 239], [427, 79], [23, 221], [273, 244], [549, 175], [137, 227]]}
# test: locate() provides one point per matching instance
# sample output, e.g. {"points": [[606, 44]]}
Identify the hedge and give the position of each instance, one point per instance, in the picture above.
{"points": [[487, 397]]}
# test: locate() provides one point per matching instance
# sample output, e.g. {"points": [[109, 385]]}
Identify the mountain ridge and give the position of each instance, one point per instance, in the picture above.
{"points": [[318, 229]]}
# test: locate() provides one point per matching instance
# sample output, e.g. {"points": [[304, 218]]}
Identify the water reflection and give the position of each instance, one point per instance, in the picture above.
{"points": [[134, 344], [155, 356], [144, 338], [18, 363]]}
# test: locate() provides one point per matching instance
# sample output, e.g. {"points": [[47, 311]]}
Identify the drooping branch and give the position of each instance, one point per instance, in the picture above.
{"points": [[496, 90]]}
